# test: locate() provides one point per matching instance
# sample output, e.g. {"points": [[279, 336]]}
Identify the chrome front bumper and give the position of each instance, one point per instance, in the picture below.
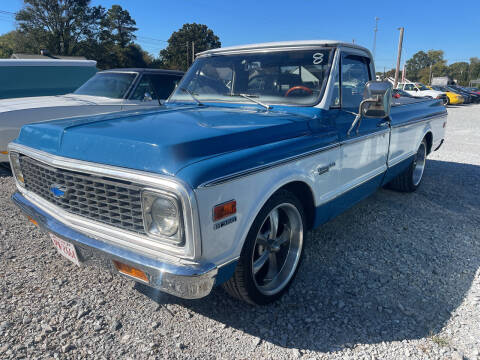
{"points": [[186, 281]]}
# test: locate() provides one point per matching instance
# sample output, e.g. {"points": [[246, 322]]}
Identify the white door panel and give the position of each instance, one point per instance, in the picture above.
{"points": [[361, 158]]}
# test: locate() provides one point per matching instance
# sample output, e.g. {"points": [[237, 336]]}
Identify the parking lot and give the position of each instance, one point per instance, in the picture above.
{"points": [[397, 276]]}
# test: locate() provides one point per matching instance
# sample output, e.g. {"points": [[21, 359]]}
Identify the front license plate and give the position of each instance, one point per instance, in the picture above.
{"points": [[65, 248]]}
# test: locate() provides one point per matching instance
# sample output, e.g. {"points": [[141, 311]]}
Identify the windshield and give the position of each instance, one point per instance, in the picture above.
{"points": [[112, 85], [422, 87], [295, 77]]}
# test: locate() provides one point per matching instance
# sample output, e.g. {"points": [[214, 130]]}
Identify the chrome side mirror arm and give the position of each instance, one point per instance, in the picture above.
{"points": [[358, 118]]}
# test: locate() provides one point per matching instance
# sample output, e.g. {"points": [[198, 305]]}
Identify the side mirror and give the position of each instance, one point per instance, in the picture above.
{"points": [[376, 103]]}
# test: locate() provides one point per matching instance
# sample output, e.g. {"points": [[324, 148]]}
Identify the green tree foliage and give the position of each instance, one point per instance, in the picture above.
{"points": [[418, 66], [119, 27], [177, 55], [59, 26], [459, 71], [74, 28]]}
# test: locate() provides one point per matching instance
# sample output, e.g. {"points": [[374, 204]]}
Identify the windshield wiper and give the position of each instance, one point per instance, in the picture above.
{"points": [[250, 97], [199, 103]]}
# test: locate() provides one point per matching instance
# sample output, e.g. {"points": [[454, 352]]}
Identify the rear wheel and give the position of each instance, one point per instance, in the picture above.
{"points": [[410, 179], [272, 251]]}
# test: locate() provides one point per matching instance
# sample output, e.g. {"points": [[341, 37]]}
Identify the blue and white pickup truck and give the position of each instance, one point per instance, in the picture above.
{"points": [[257, 145]]}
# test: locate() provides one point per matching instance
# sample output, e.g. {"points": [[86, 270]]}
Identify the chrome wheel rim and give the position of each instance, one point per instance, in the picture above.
{"points": [[277, 249], [419, 164]]}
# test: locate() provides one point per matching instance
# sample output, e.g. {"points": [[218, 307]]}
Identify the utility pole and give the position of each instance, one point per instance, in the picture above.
{"points": [[193, 51], [375, 37], [188, 57], [399, 56]]}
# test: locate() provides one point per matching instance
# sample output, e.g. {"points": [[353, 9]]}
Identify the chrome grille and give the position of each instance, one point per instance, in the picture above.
{"points": [[110, 201]]}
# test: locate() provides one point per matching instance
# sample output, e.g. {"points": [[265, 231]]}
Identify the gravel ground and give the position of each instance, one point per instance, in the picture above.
{"points": [[398, 276]]}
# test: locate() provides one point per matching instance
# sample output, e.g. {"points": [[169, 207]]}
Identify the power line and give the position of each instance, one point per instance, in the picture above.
{"points": [[152, 39], [7, 13]]}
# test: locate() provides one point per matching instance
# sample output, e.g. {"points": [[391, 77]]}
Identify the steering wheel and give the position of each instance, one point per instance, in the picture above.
{"points": [[298, 87]]}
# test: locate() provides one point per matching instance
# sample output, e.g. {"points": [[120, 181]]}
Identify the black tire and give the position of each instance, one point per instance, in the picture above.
{"points": [[244, 284], [410, 179]]}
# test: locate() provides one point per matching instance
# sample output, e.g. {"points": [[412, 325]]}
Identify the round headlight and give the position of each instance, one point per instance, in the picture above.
{"points": [[165, 217]]}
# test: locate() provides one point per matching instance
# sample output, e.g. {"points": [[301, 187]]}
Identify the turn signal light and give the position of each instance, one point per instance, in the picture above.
{"points": [[4, 152], [130, 271], [33, 221], [223, 210]]}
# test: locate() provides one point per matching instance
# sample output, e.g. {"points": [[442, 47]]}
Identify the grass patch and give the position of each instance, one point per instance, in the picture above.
{"points": [[440, 341]]}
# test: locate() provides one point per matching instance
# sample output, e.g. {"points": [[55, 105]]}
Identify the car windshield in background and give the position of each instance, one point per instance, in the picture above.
{"points": [[422, 87], [112, 85], [284, 77]]}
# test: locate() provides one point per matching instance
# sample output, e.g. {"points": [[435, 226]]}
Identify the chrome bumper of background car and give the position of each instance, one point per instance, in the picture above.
{"points": [[186, 281]]}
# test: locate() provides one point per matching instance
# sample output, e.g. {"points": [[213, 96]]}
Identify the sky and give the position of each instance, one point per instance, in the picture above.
{"points": [[447, 25]]}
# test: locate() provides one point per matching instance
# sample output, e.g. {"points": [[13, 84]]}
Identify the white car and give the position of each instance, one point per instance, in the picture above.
{"points": [[420, 90], [107, 91]]}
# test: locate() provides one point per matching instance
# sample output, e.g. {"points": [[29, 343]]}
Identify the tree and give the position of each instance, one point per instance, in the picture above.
{"points": [[474, 69], [459, 71], [119, 27], [419, 65], [177, 55], [59, 25]]}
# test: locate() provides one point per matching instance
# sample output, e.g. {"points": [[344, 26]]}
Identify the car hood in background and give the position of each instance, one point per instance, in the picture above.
{"points": [[53, 101]]}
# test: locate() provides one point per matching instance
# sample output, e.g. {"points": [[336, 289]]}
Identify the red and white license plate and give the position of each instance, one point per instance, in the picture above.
{"points": [[65, 248]]}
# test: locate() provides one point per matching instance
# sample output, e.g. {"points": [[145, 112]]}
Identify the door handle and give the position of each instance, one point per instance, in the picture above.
{"points": [[383, 123]]}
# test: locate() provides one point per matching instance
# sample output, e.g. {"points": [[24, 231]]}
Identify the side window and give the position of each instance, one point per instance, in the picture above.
{"points": [[409, 87], [355, 73], [164, 84], [145, 89]]}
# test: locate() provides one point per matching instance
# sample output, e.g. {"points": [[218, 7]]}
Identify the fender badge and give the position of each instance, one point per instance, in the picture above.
{"points": [[225, 222]]}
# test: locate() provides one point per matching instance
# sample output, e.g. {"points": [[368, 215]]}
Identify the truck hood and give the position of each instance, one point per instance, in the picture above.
{"points": [[162, 141], [52, 101]]}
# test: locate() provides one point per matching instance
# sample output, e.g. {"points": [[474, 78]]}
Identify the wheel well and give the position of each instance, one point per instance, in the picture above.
{"points": [[429, 138], [304, 193]]}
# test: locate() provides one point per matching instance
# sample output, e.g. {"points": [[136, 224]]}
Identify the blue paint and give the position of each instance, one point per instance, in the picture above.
{"points": [[169, 139], [225, 273], [335, 207], [396, 170], [199, 144]]}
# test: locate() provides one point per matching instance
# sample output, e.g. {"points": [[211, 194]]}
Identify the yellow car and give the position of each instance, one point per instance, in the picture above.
{"points": [[452, 98]]}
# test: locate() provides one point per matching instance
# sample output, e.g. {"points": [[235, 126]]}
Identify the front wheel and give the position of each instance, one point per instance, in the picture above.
{"points": [[272, 251], [410, 179]]}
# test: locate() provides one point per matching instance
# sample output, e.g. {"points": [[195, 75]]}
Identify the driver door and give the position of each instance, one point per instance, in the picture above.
{"points": [[364, 151]]}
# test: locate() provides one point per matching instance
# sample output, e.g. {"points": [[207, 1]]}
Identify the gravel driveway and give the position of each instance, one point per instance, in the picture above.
{"points": [[398, 276]]}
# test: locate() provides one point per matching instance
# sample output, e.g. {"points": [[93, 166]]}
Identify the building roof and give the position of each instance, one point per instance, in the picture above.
{"points": [[47, 62], [283, 44]]}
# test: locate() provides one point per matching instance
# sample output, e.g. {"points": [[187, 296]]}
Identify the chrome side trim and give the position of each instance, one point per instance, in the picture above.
{"points": [[352, 185], [141, 243], [399, 159], [254, 170], [419, 120], [364, 137]]}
